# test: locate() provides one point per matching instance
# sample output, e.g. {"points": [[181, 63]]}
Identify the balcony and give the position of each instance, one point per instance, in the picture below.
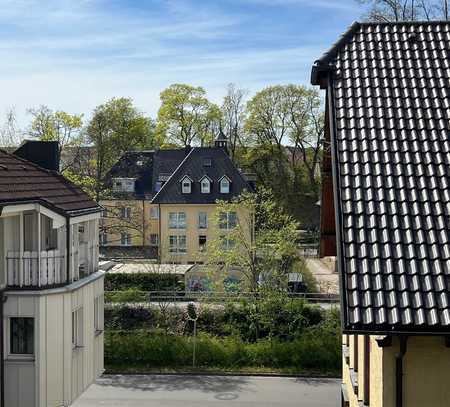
{"points": [[35, 250], [34, 269]]}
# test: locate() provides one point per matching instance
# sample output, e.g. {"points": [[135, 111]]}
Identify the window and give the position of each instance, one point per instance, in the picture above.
{"points": [[154, 212], [22, 336], [186, 185], [125, 212], [125, 239], [207, 162], [158, 186], [98, 314], [177, 244], [77, 328], [205, 184], [177, 220], [123, 184], [227, 220], [103, 238], [227, 243], [202, 243], [224, 186], [153, 239], [202, 220]]}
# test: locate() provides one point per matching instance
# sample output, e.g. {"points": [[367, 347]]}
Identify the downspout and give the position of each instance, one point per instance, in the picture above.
{"points": [[160, 237], [68, 250], [399, 371], [3, 299]]}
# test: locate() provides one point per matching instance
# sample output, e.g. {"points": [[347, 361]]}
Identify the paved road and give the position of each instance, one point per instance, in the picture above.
{"points": [[205, 391]]}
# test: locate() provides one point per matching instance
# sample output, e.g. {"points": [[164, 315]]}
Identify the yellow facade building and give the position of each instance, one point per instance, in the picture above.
{"points": [[163, 202], [385, 209]]}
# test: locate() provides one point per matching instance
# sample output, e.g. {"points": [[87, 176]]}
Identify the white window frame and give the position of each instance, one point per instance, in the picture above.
{"points": [[77, 328], [205, 185], [225, 223], [8, 334], [186, 185], [225, 185], [125, 212], [154, 212], [99, 323], [200, 224], [227, 243], [125, 239], [177, 220], [175, 246], [124, 184]]}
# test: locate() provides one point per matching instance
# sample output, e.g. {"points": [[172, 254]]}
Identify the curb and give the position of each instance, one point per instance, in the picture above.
{"points": [[239, 374]]}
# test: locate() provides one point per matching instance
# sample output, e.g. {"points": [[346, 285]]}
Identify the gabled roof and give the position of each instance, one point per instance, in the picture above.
{"points": [[192, 165], [128, 167], [389, 97], [21, 181]]}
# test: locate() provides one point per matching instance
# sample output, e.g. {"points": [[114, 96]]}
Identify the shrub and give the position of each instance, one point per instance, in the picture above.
{"points": [[143, 282], [318, 350], [129, 295]]}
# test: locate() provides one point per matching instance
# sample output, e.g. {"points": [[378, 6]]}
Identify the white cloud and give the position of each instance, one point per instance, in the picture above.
{"points": [[75, 54]]}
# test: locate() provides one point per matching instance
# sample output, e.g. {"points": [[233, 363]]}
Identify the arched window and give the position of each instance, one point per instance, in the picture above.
{"points": [[224, 185], [205, 185], [186, 185]]}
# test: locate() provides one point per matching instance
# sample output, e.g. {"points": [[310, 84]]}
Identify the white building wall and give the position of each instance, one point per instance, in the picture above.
{"points": [[58, 374]]}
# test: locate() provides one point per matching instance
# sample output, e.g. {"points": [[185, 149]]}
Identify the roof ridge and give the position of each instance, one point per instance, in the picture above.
{"points": [[406, 22]]}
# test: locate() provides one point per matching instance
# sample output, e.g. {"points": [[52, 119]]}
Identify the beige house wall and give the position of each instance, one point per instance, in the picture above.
{"points": [[426, 368], [139, 226], [192, 232]]}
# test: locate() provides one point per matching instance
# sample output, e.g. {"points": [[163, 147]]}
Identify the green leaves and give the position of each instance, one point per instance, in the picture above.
{"points": [[186, 116]]}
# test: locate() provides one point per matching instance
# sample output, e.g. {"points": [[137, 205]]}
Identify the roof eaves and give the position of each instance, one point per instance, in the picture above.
{"points": [[322, 66]]}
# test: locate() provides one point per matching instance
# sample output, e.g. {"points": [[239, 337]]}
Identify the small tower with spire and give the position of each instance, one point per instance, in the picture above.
{"points": [[222, 141]]}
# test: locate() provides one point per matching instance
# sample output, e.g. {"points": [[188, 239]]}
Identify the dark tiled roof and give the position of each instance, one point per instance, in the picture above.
{"points": [[138, 165], [391, 149], [193, 166], [23, 181]]}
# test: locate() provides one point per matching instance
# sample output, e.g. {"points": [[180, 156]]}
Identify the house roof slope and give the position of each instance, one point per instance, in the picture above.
{"points": [[23, 181], [389, 88], [193, 165]]}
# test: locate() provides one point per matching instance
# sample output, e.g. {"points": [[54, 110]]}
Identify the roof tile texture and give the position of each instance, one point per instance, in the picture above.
{"points": [[392, 112], [21, 180]]}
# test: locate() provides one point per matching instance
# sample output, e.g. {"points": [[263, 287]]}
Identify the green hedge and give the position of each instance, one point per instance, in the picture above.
{"points": [[317, 349], [269, 318], [143, 282]]}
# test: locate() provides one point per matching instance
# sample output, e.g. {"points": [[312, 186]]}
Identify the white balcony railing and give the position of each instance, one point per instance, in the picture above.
{"points": [[31, 269]]}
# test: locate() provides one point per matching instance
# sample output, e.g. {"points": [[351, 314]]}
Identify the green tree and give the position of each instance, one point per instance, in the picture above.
{"points": [[186, 116], [260, 243], [65, 128], [116, 127]]}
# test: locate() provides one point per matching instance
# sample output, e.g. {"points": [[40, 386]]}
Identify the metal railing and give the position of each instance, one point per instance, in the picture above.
{"points": [[180, 296], [33, 269]]}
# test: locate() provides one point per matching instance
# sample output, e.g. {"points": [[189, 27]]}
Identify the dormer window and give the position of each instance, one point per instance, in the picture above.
{"points": [[205, 185], [224, 185], [186, 185], [123, 184]]}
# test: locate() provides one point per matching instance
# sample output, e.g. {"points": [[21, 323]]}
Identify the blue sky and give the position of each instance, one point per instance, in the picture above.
{"points": [[75, 54]]}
